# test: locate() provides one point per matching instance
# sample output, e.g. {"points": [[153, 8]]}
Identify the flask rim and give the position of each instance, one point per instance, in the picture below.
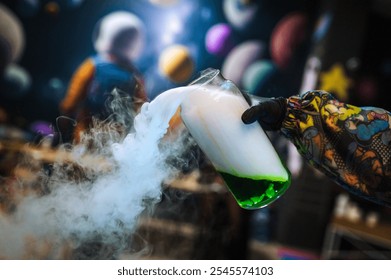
{"points": [[206, 77]]}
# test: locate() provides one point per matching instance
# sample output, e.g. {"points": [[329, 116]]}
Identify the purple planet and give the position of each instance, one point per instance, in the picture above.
{"points": [[42, 127], [218, 40]]}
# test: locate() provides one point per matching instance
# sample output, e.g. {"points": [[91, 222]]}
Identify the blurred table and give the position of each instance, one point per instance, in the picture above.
{"points": [[195, 219], [346, 239]]}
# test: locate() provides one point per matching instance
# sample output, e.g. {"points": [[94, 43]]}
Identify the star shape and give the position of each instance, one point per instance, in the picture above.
{"points": [[336, 81]]}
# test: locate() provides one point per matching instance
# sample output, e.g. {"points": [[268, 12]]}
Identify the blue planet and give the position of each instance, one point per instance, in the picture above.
{"points": [[257, 75]]}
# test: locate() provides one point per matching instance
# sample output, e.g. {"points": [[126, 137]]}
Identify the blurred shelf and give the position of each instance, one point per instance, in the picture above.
{"points": [[365, 242], [191, 183], [275, 251]]}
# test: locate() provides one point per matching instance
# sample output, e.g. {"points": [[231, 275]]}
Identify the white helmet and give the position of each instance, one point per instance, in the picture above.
{"points": [[120, 33]]}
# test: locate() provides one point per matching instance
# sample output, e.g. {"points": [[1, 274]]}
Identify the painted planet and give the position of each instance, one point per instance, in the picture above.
{"points": [[16, 82], [219, 39], [257, 75], [42, 127], [176, 63], [240, 58], [11, 37], [286, 37], [240, 13]]}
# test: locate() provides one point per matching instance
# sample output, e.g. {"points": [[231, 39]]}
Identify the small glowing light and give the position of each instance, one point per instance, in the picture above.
{"points": [[174, 24]]}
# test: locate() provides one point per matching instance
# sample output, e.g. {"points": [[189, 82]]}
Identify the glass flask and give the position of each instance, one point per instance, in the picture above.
{"points": [[241, 153]]}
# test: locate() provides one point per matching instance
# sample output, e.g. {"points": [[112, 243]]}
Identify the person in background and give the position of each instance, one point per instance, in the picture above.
{"points": [[119, 41], [349, 144]]}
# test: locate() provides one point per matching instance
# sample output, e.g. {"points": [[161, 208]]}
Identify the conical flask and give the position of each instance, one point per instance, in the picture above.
{"points": [[242, 154]]}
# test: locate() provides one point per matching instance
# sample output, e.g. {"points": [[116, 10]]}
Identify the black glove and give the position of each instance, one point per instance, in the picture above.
{"points": [[270, 113]]}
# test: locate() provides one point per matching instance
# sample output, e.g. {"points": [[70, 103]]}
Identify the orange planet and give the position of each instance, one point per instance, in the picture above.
{"points": [[176, 63]]}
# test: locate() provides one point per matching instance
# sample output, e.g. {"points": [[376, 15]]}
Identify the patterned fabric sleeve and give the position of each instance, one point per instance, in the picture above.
{"points": [[351, 145]]}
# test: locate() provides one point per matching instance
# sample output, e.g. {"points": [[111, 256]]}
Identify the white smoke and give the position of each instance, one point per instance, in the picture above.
{"points": [[98, 196]]}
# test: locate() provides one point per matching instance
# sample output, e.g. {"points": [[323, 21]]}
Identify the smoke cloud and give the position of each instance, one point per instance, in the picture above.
{"points": [[91, 198]]}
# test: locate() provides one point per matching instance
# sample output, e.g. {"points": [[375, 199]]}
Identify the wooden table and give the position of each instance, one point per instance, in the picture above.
{"points": [[372, 242]]}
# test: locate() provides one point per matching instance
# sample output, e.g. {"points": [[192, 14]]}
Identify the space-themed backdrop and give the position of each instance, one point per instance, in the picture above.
{"points": [[263, 46], [57, 36]]}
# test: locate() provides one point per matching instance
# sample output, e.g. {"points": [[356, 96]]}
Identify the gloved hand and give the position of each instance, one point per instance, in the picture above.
{"points": [[270, 113]]}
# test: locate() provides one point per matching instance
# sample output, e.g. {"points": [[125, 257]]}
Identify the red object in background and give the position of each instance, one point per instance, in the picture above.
{"points": [[288, 34]]}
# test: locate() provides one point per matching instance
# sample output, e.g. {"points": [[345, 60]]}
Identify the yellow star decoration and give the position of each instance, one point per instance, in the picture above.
{"points": [[336, 82]]}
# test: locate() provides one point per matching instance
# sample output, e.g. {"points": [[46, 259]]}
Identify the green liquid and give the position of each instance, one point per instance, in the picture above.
{"points": [[254, 193]]}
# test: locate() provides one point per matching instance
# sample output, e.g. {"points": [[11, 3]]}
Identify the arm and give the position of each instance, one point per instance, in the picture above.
{"points": [[77, 90], [349, 144]]}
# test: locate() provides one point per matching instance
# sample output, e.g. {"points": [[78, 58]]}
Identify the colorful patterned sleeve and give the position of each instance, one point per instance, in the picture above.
{"points": [[351, 145]]}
